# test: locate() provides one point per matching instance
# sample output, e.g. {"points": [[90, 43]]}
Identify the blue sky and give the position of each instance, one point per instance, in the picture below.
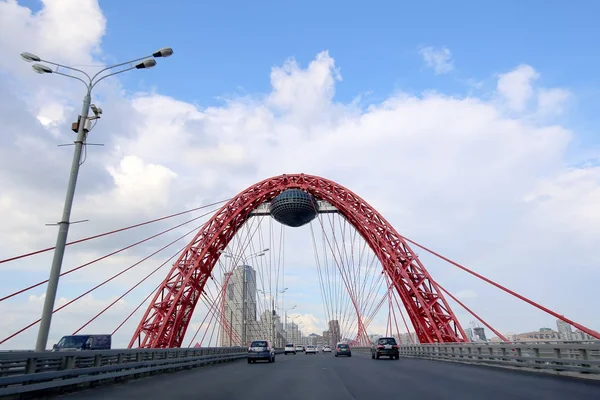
{"points": [[228, 49], [226, 45]]}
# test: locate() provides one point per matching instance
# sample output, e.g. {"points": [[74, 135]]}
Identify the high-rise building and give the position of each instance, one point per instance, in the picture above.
{"points": [[294, 334], [316, 340], [326, 338], [334, 332], [240, 326], [479, 333], [580, 335], [271, 328], [564, 330], [469, 333]]}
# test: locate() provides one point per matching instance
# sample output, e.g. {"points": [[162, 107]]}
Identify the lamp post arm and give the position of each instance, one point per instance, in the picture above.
{"points": [[67, 67], [119, 65], [107, 75], [73, 77]]}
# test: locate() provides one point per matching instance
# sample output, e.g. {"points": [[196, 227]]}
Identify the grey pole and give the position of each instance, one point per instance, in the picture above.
{"points": [[286, 329], [230, 328], [244, 306], [63, 225], [63, 229]]}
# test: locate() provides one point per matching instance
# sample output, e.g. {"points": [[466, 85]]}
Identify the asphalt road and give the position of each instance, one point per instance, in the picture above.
{"points": [[323, 376]]}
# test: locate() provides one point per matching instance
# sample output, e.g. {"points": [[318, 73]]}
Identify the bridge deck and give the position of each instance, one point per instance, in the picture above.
{"points": [[323, 376]]}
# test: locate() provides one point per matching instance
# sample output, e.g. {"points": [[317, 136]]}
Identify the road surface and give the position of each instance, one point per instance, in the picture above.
{"points": [[323, 376]]}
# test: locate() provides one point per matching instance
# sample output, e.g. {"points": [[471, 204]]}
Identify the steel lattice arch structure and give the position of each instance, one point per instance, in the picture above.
{"points": [[166, 320]]}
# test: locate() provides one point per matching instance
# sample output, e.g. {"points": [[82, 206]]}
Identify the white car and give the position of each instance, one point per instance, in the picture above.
{"points": [[326, 349], [311, 349], [299, 348], [290, 348]]}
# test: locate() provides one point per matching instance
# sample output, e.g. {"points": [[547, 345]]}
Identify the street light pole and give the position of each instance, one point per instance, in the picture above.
{"points": [[273, 321], [230, 328], [276, 337], [63, 230], [286, 328], [82, 130], [244, 307]]}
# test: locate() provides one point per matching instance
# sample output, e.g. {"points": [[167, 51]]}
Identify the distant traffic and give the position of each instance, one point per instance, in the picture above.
{"points": [[264, 350]]}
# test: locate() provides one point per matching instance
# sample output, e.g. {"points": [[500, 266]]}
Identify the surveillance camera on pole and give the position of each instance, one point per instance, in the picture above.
{"points": [[96, 110]]}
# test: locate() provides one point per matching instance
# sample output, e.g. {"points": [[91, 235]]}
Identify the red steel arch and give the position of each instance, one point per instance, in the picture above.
{"points": [[167, 318]]}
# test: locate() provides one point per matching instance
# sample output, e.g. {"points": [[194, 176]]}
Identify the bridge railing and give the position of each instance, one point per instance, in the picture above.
{"points": [[27, 371], [558, 356]]}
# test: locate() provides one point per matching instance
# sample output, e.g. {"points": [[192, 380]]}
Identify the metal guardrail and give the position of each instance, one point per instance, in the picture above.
{"points": [[559, 356], [27, 371], [23, 372]]}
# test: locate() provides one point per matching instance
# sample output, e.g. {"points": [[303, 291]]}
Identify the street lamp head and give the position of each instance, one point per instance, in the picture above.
{"points": [[265, 250], [41, 69], [30, 57], [164, 52], [149, 63]]}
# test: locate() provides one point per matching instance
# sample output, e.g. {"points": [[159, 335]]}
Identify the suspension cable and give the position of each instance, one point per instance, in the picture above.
{"points": [[106, 256], [410, 336], [135, 309], [503, 288], [473, 313], [95, 287], [148, 275], [113, 231]]}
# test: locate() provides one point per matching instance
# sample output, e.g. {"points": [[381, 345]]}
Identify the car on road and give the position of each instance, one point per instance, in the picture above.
{"points": [[261, 350], [311, 349], [83, 342], [299, 348], [326, 349], [386, 347], [289, 348], [343, 349]]}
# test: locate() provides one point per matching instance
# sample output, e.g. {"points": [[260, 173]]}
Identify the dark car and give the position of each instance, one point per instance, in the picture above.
{"points": [[342, 349], [385, 347], [261, 350], [83, 342]]}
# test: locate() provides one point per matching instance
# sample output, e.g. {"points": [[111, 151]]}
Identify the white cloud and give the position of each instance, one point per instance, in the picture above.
{"points": [[455, 173], [310, 324], [552, 101], [570, 201], [67, 30], [516, 86], [138, 186], [304, 93], [518, 91], [440, 60]]}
